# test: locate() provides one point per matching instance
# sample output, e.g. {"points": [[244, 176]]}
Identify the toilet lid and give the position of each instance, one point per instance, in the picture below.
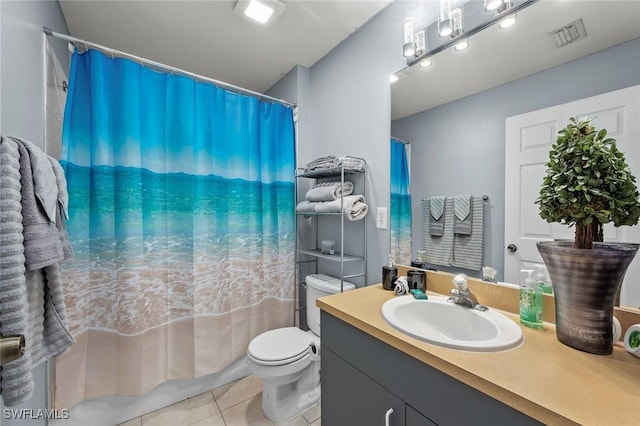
{"points": [[282, 345]]}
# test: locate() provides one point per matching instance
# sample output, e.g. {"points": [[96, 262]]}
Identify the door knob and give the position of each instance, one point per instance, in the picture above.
{"points": [[512, 248]]}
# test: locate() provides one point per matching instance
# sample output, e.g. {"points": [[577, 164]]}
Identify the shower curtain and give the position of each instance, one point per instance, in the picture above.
{"points": [[182, 222], [400, 220]]}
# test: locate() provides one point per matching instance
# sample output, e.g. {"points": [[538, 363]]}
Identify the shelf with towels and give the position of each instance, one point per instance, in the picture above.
{"points": [[331, 206]]}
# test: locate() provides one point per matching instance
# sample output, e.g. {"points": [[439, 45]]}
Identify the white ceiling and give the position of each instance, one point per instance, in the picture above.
{"points": [[209, 39], [498, 56]]}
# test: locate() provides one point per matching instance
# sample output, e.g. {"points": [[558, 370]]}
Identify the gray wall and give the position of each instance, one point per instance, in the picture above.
{"points": [[22, 107], [459, 147], [350, 114]]}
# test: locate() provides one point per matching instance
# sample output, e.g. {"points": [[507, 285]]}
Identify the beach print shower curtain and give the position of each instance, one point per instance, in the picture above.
{"points": [[182, 222], [400, 215]]}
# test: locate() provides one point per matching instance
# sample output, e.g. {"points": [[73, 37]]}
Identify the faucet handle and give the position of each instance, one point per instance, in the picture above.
{"points": [[460, 281]]}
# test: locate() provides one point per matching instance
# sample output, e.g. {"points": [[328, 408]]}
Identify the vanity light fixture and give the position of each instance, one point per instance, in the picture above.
{"points": [[445, 25], [262, 11], [456, 19], [408, 42], [456, 33]]}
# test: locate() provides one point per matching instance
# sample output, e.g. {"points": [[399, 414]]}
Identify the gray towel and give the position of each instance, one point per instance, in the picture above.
{"points": [[329, 191], [42, 244], [31, 302], [462, 206], [438, 249], [16, 379], [436, 223], [61, 184], [468, 249], [44, 179]]}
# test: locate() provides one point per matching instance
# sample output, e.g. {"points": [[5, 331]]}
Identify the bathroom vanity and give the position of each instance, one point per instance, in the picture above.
{"points": [[369, 368]]}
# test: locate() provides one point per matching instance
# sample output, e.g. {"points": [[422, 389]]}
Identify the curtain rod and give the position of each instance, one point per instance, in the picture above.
{"points": [[161, 66], [401, 140]]}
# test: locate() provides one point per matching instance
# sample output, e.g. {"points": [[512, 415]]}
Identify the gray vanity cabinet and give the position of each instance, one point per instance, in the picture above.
{"points": [[362, 377]]}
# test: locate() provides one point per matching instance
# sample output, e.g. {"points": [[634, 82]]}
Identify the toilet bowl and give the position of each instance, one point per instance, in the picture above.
{"points": [[288, 359]]}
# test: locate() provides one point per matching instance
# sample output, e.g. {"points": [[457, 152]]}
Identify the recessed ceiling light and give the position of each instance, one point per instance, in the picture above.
{"points": [[261, 11], [393, 78]]}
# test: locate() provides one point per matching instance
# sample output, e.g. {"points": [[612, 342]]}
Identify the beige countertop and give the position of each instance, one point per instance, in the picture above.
{"points": [[543, 378]]}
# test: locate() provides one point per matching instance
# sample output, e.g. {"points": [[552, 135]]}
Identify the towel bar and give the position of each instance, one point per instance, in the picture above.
{"points": [[11, 348]]}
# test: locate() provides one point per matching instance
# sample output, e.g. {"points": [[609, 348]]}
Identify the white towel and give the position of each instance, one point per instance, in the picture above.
{"points": [[468, 249], [354, 207], [306, 207], [329, 191], [438, 249]]}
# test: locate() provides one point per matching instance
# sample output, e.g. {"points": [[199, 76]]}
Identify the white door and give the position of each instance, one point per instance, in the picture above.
{"points": [[528, 140]]}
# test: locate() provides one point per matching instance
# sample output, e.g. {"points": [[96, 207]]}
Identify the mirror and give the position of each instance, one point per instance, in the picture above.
{"points": [[454, 112], [400, 222]]}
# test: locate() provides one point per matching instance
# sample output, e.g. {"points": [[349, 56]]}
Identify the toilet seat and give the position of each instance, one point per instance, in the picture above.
{"points": [[280, 346]]}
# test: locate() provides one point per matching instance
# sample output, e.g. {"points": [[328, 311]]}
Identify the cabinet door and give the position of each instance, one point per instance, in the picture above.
{"points": [[414, 418], [351, 398]]}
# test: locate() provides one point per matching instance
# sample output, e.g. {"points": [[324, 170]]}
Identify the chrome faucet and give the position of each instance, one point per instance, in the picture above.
{"points": [[462, 296]]}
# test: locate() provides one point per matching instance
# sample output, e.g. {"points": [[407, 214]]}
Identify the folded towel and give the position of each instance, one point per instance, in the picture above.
{"points": [[354, 207], [352, 163], [306, 207], [468, 249], [42, 245], [322, 163], [462, 220], [44, 178], [438, 249], [436, 223], [329, 191], [61, 183]]}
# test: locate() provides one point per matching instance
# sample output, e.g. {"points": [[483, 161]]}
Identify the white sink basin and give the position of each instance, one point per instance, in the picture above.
{"points": [[443, 323]]}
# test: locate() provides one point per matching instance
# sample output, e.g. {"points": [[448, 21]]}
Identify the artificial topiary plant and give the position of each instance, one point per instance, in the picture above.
{"points": [[588, 183]]}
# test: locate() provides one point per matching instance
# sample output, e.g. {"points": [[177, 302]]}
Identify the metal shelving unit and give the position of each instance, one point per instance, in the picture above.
{"points": [[311, 255]]}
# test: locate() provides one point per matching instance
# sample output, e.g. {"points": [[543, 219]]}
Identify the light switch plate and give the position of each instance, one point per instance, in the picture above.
{"points": [[381, 218]]}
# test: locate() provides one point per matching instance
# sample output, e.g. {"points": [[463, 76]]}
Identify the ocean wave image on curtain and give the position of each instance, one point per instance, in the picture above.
{"points": [[182, 222], [400, 208]]}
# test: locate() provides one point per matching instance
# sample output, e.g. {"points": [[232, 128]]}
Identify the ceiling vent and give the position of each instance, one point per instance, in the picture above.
{"points": [[569, 33]]}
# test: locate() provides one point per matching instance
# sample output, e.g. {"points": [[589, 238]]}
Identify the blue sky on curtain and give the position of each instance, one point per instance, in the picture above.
{"points": [[400, 214], [182, 221]]}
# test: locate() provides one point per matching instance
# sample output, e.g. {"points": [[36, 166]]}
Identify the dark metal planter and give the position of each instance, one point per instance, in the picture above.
{"points": [[585, 284]]}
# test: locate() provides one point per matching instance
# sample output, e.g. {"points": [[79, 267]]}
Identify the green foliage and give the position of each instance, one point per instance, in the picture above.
{"points": [[588, 180]]}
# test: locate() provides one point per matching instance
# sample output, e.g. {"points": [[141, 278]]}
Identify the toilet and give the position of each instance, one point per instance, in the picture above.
{"points": [[288, 359]]}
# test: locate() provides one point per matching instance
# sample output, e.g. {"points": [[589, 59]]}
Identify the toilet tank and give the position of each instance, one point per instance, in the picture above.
{"points": [[319, 285]]}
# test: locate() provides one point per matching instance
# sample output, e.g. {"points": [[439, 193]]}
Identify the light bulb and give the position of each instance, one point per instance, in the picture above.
{"points": [[508, 21], [490, 5], [462, 44]]}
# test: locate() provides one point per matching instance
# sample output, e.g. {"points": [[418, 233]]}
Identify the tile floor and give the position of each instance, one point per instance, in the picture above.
{"points": [[236, 404]]}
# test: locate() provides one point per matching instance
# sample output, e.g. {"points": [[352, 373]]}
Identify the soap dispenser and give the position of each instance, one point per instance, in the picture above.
{"points": [[530, 300], [543, 281], [389, 275]]}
